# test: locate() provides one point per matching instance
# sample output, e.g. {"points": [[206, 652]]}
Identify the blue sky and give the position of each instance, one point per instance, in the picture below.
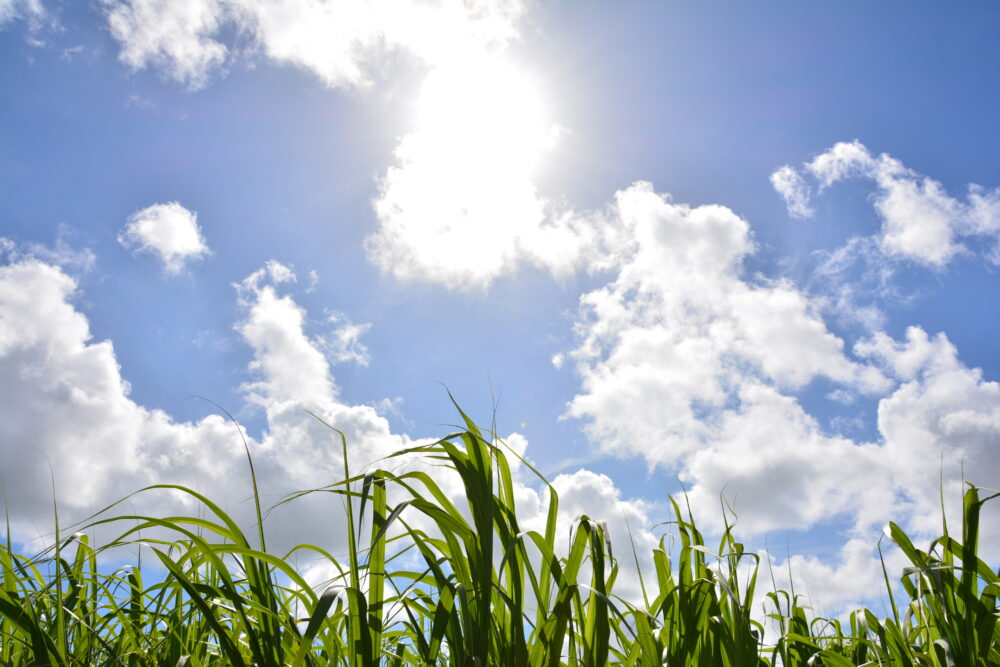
{"points": [[798, 311]]}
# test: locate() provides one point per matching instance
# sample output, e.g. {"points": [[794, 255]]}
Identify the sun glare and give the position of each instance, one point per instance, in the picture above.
{"points": [[485, 116], [462, 194]]}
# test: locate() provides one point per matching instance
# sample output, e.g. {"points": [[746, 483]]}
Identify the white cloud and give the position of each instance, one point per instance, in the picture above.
{"points": [[61, 253], [843, 160], [836, 587], [686, 363], [774, 463], [852, 278], [793, 189], [274, 272], [939, 429], [920, 221], [591, 494], [104, 445], [344, 43], [290, 365], [842, 396], [942, 425], [12, 10], [169, 231], [983, 215], [678, 332], [174, 36], [50, 369], [344, 342], [768, 457]]}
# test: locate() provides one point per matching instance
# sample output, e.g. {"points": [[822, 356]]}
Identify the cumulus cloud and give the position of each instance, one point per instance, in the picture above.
{"points": [[169, 231], [679, 331], [687, 363], [920, 220], [831, 587], [941, 425], [774, 463], [628, 521], [105, 445], [50, 368], [939, 429]]}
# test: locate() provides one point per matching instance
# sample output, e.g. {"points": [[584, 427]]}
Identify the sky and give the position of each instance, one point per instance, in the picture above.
{"points": [[749, 251]]}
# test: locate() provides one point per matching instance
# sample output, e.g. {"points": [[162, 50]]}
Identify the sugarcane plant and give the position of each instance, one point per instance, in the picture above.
{"points": [[431, 580]]}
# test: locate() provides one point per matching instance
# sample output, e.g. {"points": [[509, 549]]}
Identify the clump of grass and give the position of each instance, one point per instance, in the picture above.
{"points": [[487, 592]]}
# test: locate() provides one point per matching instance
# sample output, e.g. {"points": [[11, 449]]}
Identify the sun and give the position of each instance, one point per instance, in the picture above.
{"points": [[462, 193], [485, 115]]}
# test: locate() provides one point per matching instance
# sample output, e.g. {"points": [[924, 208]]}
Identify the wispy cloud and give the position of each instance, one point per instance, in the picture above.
{"points": [[64, 253], [793, 189], [343, 343], [31, 10]]}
